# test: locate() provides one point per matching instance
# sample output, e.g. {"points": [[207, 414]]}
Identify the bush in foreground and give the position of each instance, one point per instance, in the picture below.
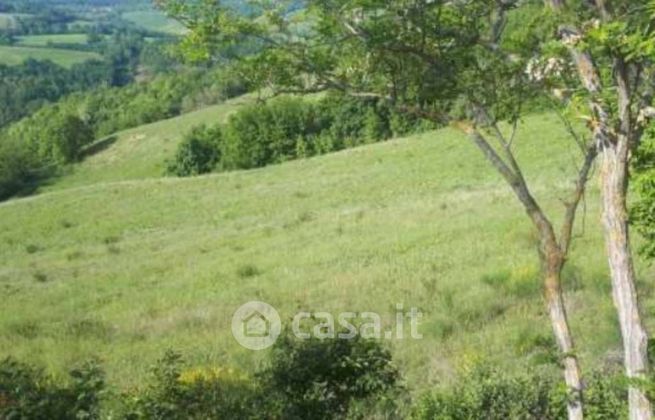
{"points": [[28, 393], [317, 379], [330, 379], [175, 393], [487, 393], [304, 379]]}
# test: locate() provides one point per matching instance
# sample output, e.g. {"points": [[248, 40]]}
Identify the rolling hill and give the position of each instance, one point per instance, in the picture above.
{"points": [[141, 152], [115, 262]]}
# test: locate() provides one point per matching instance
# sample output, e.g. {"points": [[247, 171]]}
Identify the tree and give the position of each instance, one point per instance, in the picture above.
{"points": [[68, 136], [612, 46], [53, 135], [19, 168], [326, 378], [447, 61], [199, 152]]}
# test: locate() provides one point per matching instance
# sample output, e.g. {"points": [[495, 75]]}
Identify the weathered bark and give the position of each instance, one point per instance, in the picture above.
{"points": [[614, 147], [615, 151], [553, 262], [552, 254], [615, 222]]}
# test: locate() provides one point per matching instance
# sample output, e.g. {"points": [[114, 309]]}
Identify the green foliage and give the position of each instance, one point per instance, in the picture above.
{"points": [[487, 393], [174, 393], [643, 211], [323, 379], [68, 137], [57, 134], [421, 56], [19, 168], [606, 397], [289, 128], [54, 135], [318, 379], [28, 86], [352, 213], [27, 392], [199, 152], [264, 134]]}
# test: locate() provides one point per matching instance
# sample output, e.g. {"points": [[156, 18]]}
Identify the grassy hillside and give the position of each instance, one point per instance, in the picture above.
{"points": [[115, 265], [44, 40], [13, 55], [156, 21], [141, 152]]}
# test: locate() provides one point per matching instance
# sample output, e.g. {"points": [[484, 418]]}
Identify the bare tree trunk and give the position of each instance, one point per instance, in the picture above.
{"points": [[615, 151], [551, 253], [553, 260], [615, 147], [559, 321], [614, 177]]}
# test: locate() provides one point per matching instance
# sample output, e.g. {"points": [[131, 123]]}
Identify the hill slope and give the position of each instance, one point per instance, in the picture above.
{"points": [[124, 270], [141, 152]]}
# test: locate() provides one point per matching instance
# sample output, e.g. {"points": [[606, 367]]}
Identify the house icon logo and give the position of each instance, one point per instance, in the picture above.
{"points": [[256, 325]]}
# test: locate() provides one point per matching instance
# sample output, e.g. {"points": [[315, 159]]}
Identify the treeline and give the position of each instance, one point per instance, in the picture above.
{"points": [[126, 56], [38, 146], [287, 129], [44, 21], [302, 379], [27, 87], [38, 17]]}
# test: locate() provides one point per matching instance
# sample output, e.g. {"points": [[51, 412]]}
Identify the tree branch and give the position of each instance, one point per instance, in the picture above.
{"points": [[578, 194]]}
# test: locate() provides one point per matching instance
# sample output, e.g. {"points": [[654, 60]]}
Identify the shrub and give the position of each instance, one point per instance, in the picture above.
{"points": [[68, 136], [20, 169], [326, 379], [27, 392], [199, 153], [487, 393], [177, 394], [259, 135], [491, 395], [318, 379], [53, 135]]}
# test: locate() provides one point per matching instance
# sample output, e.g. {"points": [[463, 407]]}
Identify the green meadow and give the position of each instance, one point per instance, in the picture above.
{"points": [[45, 40], [14, 55], [156, 21], [113, 261]]}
